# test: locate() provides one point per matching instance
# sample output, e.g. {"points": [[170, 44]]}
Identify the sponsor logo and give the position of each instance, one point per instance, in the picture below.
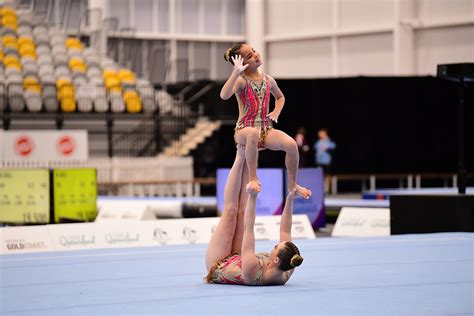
{"points": [[76, 240], [21, 244], [161, 236], [260, 228], [353, 222], [24, 146], [299, 229], [190, 235], [116, 238], [357, 222], [66, 145], [380, 223]]}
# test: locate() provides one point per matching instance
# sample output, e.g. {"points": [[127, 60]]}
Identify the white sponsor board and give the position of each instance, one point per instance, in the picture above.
{"points": [[112, 234], [362, 222], [132, 233], [64, 145], [133, 209], [25, 239]]}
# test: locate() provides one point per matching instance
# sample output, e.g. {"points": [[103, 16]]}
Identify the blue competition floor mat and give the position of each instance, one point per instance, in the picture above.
{"points": [[430, 274]]}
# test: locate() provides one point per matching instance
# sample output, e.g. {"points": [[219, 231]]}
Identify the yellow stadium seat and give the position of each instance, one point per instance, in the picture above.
{"points": [[8, 11], [30, 55], [126, 76], [31, 84], [9, 20], [132, 101], [62, 82], [112, 82], [68, 104], [27, 49], [11, 61], [72, 42], [80, 68], [107, 73], [11, 45], [77, 64], [66, 92], [11, 27], [13, 65], [7, 39], [24, 40]]}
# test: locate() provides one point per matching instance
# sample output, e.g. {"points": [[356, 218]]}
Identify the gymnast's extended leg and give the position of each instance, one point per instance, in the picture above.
{"points": [[278, 140], [220, 245]]}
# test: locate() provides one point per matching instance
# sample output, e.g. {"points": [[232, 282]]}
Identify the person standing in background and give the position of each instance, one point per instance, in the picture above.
{"points": [[303, 147], [324, 148]]}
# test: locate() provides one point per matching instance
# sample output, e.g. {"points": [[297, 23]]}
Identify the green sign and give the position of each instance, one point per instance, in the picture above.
{"points": [[24, 196], [75, 194]]}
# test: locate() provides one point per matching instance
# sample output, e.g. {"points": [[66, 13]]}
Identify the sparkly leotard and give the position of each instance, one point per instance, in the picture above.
{"points": [[254, 101], [229, 270]]}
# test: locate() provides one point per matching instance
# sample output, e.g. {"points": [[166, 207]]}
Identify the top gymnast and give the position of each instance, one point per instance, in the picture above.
{"points": [[254, 126]]}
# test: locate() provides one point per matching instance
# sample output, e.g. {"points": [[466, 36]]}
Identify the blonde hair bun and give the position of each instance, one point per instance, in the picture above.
{"points": [[296, 260], [227, 54]]}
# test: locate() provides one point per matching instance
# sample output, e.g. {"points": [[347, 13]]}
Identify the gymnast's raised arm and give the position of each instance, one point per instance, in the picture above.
{"points": [[286, 217], [249, 260]]}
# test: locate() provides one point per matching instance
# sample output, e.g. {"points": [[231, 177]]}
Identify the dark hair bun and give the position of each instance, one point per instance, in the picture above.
{"points": [[296, 260]]}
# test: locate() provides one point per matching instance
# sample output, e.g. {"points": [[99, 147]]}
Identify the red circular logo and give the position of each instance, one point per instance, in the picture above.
{"points": [[24, 146], [66, 145]]}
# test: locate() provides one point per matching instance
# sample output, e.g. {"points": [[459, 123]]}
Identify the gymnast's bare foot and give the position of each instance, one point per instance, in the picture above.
{"points": [[253, 187], [301, 191]]}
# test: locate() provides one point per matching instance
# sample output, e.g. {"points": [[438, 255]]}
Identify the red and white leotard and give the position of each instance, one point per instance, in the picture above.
{"points": [[229, 270], [254, 101]]}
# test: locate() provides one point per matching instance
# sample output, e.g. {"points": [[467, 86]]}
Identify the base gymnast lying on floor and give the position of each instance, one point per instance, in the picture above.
{"points": [[230, 256]]}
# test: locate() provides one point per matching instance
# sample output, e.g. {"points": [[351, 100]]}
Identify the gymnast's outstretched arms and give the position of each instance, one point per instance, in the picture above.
{"points": [[249, 260], [287, 217]]}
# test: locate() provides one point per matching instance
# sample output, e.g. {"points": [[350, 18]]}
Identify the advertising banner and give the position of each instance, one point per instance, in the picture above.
{"points": [[75, 194], [25, 239], [64, 145], [24, 196], [362, 222], [131, 233]]}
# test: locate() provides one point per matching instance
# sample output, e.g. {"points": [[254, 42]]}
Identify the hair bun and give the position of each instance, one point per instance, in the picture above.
{"points": [[296, 260], [227, 54]]}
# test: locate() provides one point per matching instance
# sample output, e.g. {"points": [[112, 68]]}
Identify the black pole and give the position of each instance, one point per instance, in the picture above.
{"points": [[461, 168], [6, 120], [110, 125], [59, 120], [158, 138]]}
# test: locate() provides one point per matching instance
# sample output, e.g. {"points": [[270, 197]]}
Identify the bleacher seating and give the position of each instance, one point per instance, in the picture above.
{"points": [[42, 69]]}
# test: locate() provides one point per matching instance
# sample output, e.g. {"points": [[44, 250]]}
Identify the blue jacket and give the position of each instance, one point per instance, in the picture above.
{"points": [[323, 148]]}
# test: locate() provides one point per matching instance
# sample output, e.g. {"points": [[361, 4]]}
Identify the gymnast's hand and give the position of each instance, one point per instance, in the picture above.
{"points": [[273, 115], [239, 66]]}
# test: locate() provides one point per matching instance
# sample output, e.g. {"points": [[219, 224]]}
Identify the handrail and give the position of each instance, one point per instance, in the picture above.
{"points": [[200, 93], [183, 187], [205, 181], [409, 176]]}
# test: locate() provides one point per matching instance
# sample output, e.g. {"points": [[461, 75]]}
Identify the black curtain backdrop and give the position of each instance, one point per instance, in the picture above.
{"points": [[380, 124]]}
